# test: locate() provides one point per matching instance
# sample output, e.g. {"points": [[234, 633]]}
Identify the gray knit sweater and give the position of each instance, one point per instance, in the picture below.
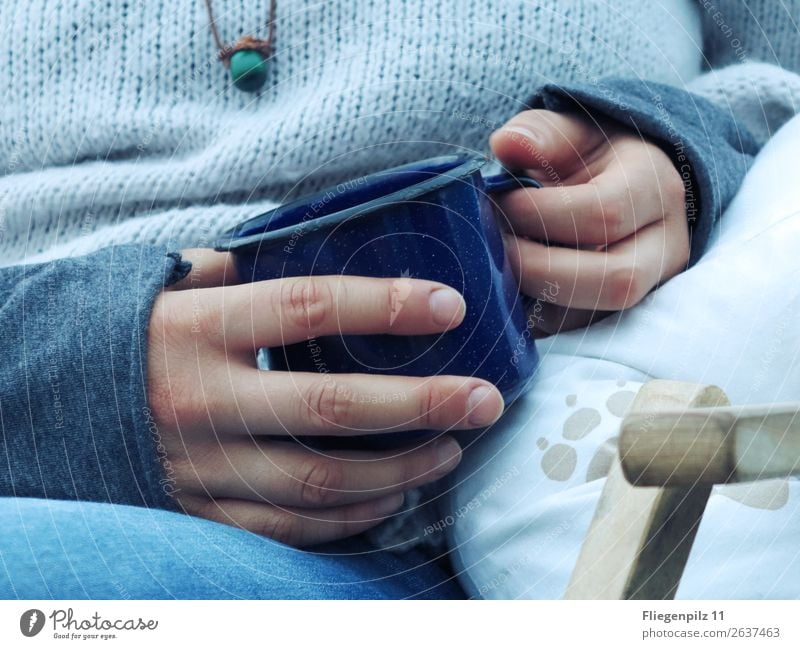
{"points": [[119, 124]]}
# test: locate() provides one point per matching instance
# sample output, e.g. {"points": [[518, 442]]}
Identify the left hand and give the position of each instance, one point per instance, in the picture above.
{"points": [[232, 435], [608, 225]]}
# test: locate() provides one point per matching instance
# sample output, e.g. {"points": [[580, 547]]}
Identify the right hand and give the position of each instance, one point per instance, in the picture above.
{"points": [[221, 419], [608, 225]]}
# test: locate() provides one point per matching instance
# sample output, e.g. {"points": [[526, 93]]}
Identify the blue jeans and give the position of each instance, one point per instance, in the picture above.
{"points": [[76, 550]]}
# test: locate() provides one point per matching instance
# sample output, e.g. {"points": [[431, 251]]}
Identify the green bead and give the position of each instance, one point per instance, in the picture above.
{"points": [[248, 70]]}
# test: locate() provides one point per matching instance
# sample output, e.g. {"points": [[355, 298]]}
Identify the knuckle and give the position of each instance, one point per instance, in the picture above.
{"points": [[321, 481], [431, 405], [206, 508], [169, 328], [414, 470], [283, 527], [193, 505], [605, 220], [186, 471], [307, 302], [327, 404], [613, 214], [625, 286], [404, 471], [172, 401], [391, 302], [195, 407], [206, 320]]}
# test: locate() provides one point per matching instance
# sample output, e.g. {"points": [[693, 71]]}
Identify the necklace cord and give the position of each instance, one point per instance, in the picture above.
{"points": [[213, 24], [246, 42]]}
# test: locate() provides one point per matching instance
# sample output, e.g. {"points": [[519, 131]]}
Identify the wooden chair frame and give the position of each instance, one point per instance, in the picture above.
{"points": [[677, 441]]}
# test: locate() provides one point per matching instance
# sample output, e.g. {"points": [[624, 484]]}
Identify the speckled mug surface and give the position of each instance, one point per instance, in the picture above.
{"points": [[431, 219]]}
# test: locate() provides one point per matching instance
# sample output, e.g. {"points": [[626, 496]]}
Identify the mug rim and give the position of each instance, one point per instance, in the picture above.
{"points": [[463, 166]]}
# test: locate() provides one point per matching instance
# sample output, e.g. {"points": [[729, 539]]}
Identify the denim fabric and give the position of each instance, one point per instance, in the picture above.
{"points": [[74, 550], [710, 150], [72, 380]]}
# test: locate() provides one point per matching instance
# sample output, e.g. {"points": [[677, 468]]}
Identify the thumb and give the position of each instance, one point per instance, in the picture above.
{"points": [[545, 141]]}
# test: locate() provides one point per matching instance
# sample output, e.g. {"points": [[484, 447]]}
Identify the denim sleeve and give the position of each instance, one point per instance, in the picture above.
{"points": [[73, 393], [709, 149]]}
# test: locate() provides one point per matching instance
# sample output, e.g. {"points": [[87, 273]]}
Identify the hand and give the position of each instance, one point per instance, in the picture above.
{"points": [[227, 427], [608, 225]]}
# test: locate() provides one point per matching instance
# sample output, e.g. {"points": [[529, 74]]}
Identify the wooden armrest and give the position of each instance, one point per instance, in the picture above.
{"points": [[711, 445], [640, 537]]}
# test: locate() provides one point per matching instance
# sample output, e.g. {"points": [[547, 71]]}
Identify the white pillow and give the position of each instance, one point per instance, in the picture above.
{"points": [[523, 497]]}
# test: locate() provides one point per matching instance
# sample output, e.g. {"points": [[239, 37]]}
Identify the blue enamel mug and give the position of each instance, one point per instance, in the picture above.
{"points": [[431, 219]]}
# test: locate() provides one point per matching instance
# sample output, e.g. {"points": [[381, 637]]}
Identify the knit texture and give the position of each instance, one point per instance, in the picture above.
{"points": [[744, 31], [762, 97], [120, 125]]}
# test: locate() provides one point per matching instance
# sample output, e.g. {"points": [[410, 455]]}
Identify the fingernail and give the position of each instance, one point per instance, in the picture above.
{"points": [[521, 132], [484, 406], [389, 504], [448, 454], [447, 306]]}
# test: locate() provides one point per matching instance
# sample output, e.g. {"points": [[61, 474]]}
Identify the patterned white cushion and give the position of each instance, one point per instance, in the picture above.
{"points": [[522, 499]]}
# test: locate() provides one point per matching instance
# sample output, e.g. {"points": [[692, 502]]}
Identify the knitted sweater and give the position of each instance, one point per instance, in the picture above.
{"points": [[120, 125], [122, 128]]}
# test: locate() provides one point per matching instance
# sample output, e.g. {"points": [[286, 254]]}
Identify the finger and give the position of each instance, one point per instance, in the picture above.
{"points": [[299, 527], [614, 279], [551, 145], [209, 268], [249, 401], [639, 186], [288, 474], [294, 309]]}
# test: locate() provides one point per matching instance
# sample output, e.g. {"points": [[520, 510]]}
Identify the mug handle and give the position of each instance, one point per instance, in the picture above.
{"points": [[497, 178]]}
